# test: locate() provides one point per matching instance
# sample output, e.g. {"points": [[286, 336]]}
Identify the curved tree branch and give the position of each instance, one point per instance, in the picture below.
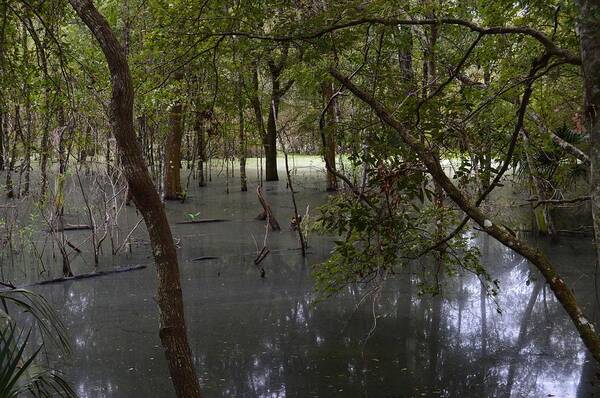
{"points": [[564, 295], [170, 301], [549, 45]]}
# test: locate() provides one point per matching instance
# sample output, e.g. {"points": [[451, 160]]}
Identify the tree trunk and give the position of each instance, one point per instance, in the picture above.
{"points": [[12, 156], [199, 127], [172, 176], [26, 165], [256, 105], [45, 147], [27, 147], [522, 337], [3, 105], [242, 136], [277, 92], [270, 143], [2, 131], [589, 32], [330, 119], [65, 143], [170, 302]]}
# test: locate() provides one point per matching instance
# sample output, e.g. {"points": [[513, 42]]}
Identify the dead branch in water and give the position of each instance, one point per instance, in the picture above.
{"points": [[89, 275], [202, 221], [266, 214]]}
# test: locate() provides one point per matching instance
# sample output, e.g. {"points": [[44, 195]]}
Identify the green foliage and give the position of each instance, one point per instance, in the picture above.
{"points": [[387, 235], [193, 216]]}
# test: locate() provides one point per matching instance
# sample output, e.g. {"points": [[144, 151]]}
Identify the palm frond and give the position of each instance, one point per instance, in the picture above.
{"points": [[43, 314], [19, 374]]}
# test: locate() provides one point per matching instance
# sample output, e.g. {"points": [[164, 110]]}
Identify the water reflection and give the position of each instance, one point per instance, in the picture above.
{"points": [[256, 337]]}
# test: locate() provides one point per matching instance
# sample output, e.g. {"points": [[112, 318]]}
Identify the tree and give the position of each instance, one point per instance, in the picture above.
{"points": [[172, 332], [172, 180]]}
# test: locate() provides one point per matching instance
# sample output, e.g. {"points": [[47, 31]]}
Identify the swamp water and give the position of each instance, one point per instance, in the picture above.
{"points": [[269, 337]]}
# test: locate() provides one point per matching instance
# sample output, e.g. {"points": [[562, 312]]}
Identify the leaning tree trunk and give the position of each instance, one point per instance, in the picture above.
{"points": [[170, 302], [589, 32], [172, 176], [563, 293]]}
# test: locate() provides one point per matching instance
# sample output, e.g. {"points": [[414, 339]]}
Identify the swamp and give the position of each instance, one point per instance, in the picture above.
{"points": [[299, 198]]}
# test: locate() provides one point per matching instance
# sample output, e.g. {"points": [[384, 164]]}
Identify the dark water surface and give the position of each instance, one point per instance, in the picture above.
{"points": [[255, 337]]}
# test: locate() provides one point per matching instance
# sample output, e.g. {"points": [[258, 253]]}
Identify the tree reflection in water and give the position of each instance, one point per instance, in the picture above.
{"points": [[271, 338]]}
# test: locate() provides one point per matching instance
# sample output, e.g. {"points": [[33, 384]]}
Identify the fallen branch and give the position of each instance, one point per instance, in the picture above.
{"points": [[89, 275], [72, 246], [72, 227], [261, 255], [202, 221], [560, 201]]}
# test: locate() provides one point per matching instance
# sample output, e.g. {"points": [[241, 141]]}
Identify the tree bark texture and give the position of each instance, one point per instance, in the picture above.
{"points": [[172, 176], [170, 302]]}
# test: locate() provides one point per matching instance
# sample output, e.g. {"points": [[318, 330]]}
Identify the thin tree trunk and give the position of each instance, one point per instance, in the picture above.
{"points": [[3, 105], [172, 333], [256, 105], [45, 146], [199, 127], [242, 136], [270, 142], [12, 158], [330, 118], [26, 165], [107, 158], [2, 132], [27, 146], [172, 181], [277, 93], [62, 150]]}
